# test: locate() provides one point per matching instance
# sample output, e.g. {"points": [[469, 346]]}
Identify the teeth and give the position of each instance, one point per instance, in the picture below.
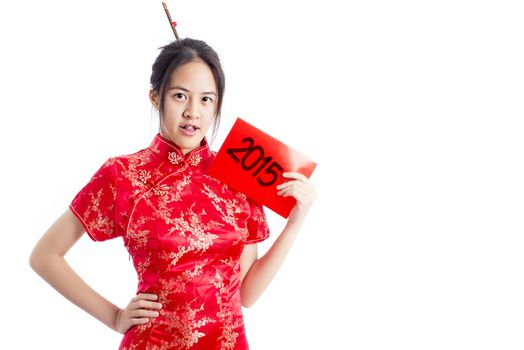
{"points": [[189, 127]]}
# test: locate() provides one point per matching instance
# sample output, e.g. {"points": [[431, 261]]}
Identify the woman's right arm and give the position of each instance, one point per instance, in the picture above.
{"points": [[47, 260]]}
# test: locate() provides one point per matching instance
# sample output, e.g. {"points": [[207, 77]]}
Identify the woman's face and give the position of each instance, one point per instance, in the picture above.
{"points": [[191, 99]]}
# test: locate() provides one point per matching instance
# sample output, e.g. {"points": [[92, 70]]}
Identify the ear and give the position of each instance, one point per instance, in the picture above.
{"points": [[153, 98]]}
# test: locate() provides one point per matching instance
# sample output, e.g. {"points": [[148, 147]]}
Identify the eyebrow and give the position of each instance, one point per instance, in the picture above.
{"points": [[184, 89]]}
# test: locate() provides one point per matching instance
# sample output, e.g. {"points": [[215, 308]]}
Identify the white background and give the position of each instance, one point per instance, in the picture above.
{"points": [[412, 109]]}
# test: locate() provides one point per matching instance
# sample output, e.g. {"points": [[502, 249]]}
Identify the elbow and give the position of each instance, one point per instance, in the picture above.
{"points": [[35, 261]]}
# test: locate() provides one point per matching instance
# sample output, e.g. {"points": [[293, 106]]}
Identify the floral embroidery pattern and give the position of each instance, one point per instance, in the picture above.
{"points": [[138, 234], [199, 240], [185, 231], [185, 324], [143, 176], [174, 158], [161, 190], [228, 337], [194, 159], [227, 207]]}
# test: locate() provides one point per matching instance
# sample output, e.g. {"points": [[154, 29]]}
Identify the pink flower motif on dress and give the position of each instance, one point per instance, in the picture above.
{"points": [[174, 158], [194, 159]]}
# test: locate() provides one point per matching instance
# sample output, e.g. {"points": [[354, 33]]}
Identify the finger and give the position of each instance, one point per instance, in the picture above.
{"points": [[140, 313], [145, 304], [134, 321], [302, 181], [293, 192], [289, 183], [293, 184], [295, 175], [148, 296], [287, 192]]}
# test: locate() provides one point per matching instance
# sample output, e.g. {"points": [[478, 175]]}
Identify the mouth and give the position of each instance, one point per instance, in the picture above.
{"points": [[189, 127]]}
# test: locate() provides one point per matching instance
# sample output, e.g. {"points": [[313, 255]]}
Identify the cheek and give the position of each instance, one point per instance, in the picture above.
{"points": [[170, 113], [206, 126], [171, 107]]}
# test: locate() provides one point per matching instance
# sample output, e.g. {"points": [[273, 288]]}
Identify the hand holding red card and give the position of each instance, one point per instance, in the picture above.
{"points": [[253, 162]]}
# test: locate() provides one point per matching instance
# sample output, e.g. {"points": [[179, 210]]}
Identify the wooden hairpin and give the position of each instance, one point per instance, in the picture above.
{"points": [[171, 22]]}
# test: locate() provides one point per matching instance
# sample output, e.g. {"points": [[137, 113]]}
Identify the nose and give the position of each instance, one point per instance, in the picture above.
{"points": [[191, 110]]}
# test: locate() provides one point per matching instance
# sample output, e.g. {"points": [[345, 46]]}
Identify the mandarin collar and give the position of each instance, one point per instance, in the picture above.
{"points": [[171, 152]]}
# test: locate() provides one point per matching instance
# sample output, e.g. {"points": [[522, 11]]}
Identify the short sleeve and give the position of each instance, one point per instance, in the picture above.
{"points": [[94, 205], [257, 226]]}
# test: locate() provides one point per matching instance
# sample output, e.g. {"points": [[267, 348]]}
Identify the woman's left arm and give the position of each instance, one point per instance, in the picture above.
{"points": [[256, 274]]}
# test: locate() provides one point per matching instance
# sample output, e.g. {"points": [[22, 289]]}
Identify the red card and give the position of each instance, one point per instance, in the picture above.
{"points": [[252, 162]]}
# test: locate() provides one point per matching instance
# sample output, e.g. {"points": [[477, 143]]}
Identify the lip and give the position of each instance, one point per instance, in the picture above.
{"points": [[186, 124], [187, 132]]}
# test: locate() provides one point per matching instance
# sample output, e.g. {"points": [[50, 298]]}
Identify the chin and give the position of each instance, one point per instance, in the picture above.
{"points": [[194, 142]]}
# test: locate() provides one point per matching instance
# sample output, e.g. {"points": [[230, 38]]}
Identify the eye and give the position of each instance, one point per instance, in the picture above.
{"points": [[179, 95], [209, 99]]}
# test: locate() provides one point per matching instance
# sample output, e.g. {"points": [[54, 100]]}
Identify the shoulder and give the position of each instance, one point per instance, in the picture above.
{"points": [[142, 157]]}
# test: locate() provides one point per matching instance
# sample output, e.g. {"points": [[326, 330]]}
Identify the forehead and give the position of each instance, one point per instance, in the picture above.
{"points": [[195, 76]]}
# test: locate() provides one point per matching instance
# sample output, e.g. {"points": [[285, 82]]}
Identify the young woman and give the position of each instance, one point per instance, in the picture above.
{"points": [[193, 239]]}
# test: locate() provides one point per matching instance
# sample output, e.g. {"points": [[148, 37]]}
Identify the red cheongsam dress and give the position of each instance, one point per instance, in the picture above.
{"points": [[185, 231]]}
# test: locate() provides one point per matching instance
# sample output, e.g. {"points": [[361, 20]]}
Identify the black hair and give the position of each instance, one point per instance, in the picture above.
{"points": [[177, 53]]}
